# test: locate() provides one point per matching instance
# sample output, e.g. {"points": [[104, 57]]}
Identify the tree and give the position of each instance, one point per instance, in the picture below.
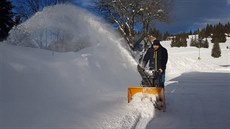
{"points": [[201, 34], [6, 18], [128, 14], [180, 40], [216, 52], [176, 42], [166, 35], [227, 28], [26, 8], [192, 41], [173, 42], [206, 44], [208, 30], [183, 41], [218, 34]]}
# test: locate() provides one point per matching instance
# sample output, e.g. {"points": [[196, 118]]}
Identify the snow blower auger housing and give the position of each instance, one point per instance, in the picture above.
{"points": [[145, 90], [150, 83]]}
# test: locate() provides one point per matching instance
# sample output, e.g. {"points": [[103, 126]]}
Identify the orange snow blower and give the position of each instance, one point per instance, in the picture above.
{"points": [[146, 90], [150, 82]]}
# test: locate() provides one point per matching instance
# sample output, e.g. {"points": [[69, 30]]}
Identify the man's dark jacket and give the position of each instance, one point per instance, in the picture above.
{"points": [[162, 58]]}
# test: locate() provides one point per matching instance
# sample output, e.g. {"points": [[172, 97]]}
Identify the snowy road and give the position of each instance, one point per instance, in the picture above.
{"points": [[197, 100]]}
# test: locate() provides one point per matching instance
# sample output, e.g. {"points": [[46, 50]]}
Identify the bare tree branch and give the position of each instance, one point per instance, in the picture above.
{"points": [[126, 14]]}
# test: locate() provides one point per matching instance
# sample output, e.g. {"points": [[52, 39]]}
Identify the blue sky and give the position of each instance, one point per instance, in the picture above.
{"points": [[189, 14]]}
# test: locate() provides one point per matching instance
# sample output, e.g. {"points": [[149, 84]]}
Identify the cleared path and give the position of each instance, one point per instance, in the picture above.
{"points": [[196, 101]]}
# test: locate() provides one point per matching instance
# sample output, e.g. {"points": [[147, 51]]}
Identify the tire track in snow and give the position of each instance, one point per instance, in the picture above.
{"points": [[135, 115], [142, 123]]}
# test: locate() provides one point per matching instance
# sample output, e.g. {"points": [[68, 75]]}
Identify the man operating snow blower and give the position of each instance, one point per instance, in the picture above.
{"points": [[153, 76], [157, 57]]}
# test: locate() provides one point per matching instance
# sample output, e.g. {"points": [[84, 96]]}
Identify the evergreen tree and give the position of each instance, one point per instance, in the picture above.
{"points": [[208, 30], [216, 52], [180, 40], [206, 44], [166, 34], [6, 18], [183, 39], [227, 28], [218, 34], [192, 42], [201, 34], [199, 43], [173, 44], [177, 41]]}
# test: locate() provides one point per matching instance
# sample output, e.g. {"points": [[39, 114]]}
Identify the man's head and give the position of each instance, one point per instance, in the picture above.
{"points": [[156, 44]]}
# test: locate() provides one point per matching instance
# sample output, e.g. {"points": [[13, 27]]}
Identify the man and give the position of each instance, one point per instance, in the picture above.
{"points": [[157, 57]]}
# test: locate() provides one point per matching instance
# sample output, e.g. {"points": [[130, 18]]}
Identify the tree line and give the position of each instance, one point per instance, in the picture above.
{"points": [[217, 33]]}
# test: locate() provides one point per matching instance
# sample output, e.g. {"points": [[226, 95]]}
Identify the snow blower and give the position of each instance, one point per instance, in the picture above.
{"points": [[149, 84]]}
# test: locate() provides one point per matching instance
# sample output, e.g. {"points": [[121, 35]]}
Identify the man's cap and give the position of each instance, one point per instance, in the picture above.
{"points": [[156, 42]]}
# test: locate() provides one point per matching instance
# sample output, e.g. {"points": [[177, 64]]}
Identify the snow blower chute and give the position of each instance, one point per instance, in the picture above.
{"points": [[150, 84]]}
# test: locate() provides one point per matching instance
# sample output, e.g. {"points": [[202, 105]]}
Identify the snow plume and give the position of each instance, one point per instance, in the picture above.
{"points": [[61, 29], [66, 90]]}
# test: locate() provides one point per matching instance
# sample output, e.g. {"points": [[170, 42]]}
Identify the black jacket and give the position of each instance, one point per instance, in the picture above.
{"points": [[162, 58]]}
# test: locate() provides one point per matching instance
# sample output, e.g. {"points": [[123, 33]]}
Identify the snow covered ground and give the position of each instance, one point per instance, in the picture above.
{"points": [[87, 89], [197, 100]]}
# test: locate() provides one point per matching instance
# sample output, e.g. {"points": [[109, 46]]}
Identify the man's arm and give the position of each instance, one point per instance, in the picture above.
{"points": [[164, 59]]}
